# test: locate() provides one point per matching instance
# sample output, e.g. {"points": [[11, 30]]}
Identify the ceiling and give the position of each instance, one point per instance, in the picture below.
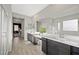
{"points": [[59, 10], [28, 9]]}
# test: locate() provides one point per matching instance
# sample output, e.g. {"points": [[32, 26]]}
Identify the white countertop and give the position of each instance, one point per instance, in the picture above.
{"points": [[63, 40], [58, 39]]}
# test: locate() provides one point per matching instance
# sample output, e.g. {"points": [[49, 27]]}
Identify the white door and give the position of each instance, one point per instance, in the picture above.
{"points": [[4, 32]]}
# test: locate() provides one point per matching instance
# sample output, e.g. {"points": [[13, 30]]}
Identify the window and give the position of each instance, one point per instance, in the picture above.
{"points": [[58, 26], [16, 28], [70, 25]]}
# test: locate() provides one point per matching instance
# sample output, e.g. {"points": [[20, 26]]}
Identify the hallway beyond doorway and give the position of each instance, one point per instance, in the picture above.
{"points": [[21, 47], [17, 29]]}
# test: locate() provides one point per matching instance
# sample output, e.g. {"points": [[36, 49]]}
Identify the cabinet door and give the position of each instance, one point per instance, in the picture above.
{"points": [[56, 48], [29, 36], [74, 50], [52, 47], [63, 49], [44, 46]]}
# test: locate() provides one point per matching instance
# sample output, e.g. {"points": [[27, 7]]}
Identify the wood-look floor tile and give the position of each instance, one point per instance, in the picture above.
{"points": [[21, 47]]}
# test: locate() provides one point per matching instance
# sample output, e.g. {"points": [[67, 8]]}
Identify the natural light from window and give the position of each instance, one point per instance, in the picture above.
{"points": [[16, 28], [70, 25]]}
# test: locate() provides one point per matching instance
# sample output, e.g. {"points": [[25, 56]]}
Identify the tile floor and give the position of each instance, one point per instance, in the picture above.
{"points": [[21, 47]]}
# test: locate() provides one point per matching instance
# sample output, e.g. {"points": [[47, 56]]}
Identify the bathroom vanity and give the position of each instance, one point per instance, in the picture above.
{"points": [[34, 38], [53, 47]]}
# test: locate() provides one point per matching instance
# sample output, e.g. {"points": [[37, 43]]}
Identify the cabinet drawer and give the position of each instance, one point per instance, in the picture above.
{"points": [[44, 50], [52, 49], [44, 45], [51, 42]]}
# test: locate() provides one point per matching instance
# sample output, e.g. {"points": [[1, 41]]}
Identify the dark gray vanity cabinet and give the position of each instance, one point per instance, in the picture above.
{"points": [[74, 50], [31, 38], [28, 36], [44, 45], [51, 47], [56, 48], [63, 49]]}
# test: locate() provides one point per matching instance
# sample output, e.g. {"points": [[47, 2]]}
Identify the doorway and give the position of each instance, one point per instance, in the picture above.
{"points": [[17, 29]]}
